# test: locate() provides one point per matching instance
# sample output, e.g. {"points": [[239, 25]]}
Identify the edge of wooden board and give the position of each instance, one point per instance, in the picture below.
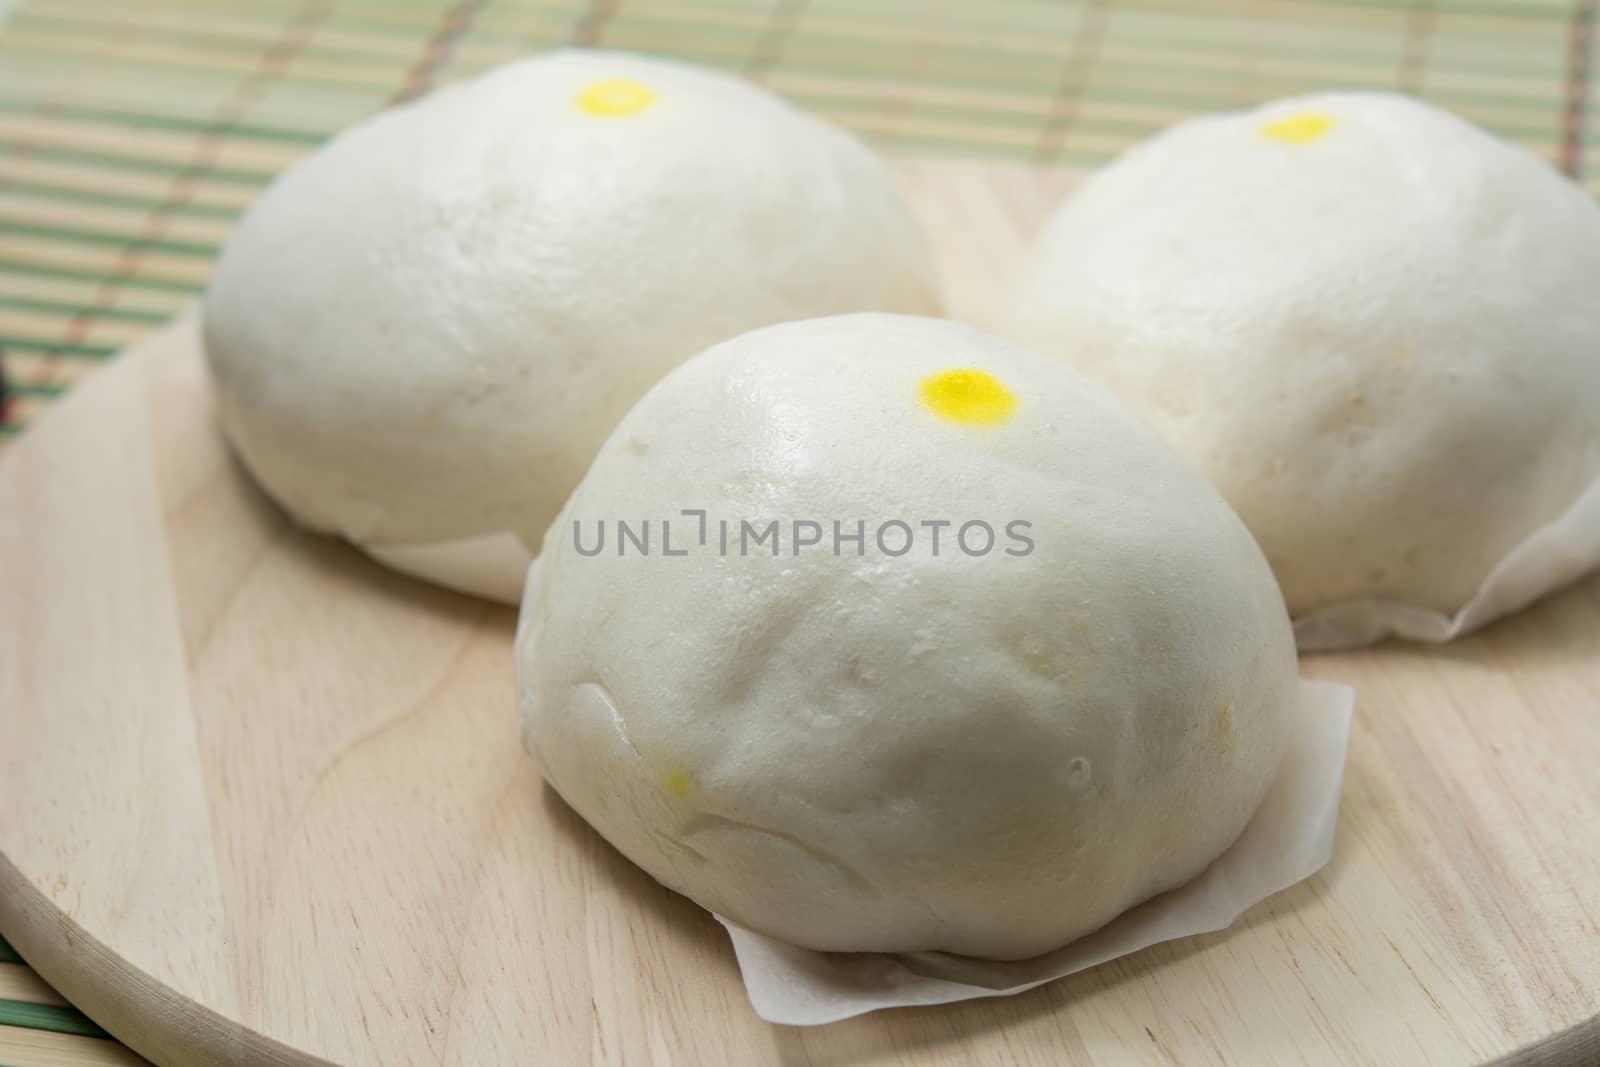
{"points": [[128, 1003]]}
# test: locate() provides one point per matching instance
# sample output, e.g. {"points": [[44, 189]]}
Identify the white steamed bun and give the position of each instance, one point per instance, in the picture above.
{"points": [[1374, 327], [423, 331], [984, 749]]}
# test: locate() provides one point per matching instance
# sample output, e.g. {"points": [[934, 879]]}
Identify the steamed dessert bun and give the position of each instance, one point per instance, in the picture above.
{"points": [[1374, 327], [933, 645], [422, 332]]}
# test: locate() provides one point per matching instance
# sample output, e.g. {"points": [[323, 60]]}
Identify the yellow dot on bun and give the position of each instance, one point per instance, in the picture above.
{"points": [[677, 783], [974, 397], [615, 97], [1301, 128]]}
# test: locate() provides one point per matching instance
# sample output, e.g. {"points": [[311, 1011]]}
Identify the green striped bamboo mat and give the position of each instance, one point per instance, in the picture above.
{"points": [[27, 1003], [131, 135]]}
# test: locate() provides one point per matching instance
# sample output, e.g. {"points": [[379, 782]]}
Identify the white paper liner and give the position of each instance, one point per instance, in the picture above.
{"points": [[1289, 839], [492, 566], [1553, 556]]}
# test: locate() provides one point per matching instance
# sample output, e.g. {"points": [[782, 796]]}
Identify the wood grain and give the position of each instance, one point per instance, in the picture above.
{"points": [[263, 802], [21, 984], [41, 1048]]}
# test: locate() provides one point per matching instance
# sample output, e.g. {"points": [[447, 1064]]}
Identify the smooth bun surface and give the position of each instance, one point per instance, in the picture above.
{"points": [[993, 750], [424, 330], [1372, 326]]}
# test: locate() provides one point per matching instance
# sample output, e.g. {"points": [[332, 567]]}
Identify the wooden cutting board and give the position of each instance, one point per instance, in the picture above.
{"points": [[261, 801]]}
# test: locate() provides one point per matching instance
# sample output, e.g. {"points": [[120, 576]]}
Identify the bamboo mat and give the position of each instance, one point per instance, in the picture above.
{"points": [[131, 135]]}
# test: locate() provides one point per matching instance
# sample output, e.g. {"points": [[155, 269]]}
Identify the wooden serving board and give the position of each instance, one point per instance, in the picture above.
{"points": [[263, 802]]}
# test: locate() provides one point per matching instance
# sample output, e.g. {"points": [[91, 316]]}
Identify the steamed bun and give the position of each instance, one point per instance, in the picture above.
{"points": [[423, 331], [988, 737], [1373, 326]]}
